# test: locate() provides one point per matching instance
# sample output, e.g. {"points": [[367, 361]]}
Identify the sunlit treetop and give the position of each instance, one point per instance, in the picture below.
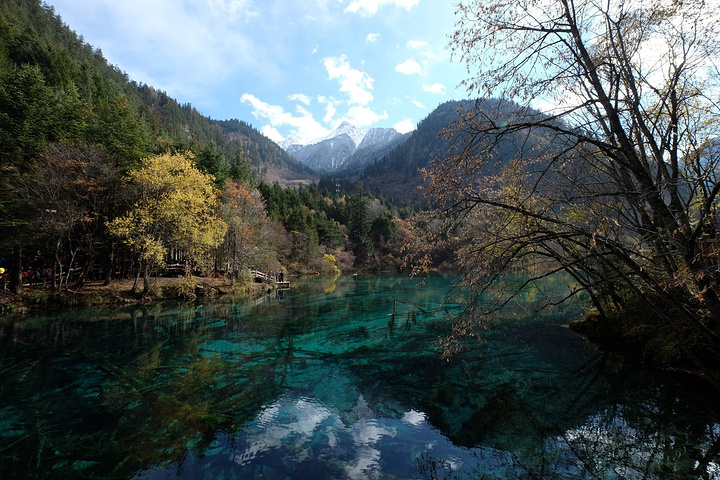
{"points": [[175, 208]]}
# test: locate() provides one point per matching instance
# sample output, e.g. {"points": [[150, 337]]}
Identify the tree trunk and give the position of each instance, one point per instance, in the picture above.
{"points": [[69, 269], [146, 277], [110, 265], [136, 286], [83, 273], [55, 272], [57, 269], [16, 270]]}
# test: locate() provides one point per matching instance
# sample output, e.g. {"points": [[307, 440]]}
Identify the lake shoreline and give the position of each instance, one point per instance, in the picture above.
{"points": [[39, 298]]}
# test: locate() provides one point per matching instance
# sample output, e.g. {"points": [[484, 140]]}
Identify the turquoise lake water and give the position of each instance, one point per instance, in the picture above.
{"points": [[323, 382]]}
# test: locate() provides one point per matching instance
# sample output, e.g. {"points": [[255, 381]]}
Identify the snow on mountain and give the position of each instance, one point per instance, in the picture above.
{"points": [[356, 134], [378, 137], [343, 148], [377, 143], [289, 142], [327, 156]]}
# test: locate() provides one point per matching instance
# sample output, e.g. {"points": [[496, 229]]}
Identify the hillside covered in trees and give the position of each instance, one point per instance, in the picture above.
{"points": [[57, 86], [96, 173]]}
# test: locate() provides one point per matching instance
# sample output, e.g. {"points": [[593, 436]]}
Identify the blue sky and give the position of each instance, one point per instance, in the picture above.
{"points": [[290, 68]]}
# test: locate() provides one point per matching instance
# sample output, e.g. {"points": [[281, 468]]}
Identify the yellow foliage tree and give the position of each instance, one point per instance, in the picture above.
{"points": [[175, 208]]}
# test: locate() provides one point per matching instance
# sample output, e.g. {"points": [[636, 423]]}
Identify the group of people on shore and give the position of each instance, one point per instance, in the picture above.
{"points": [[34, 271], [278, 276]]}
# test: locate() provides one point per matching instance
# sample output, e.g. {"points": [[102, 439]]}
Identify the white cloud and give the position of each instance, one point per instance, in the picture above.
{"points": [[331, 105], [330, 113], [418, 104], [154, 42], [272, 134], [415, 44], [364, 116], [405, 126], [544, 105], [409, 67], [302, 112], [436, 88], [299, 97], [372, 37], [304, 126], [355, 83], [370, 7]]}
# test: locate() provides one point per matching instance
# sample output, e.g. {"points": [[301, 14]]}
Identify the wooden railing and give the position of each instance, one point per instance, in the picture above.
{"points": [[269, 278]]}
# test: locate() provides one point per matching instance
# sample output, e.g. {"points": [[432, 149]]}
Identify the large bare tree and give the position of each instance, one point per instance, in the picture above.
{"points": [[601, 159]]}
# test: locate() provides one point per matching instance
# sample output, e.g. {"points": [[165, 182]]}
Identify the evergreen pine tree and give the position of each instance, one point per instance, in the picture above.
{"points": [[240, 168], [359, 226], [211, 161]]}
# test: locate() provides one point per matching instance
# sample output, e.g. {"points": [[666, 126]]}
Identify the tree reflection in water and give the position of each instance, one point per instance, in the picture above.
{"points": [[339, 382]]}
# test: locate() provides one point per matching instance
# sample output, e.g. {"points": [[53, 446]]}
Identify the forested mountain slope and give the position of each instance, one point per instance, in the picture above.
{"points": [[397, 175], [54, 86]]}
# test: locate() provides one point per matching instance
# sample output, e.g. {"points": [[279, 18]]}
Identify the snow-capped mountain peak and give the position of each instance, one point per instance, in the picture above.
{"points": [[347, 148], [289, 142], [345, 128], [378, 137]]}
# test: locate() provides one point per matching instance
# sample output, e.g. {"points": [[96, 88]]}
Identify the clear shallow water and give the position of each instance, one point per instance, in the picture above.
{"points": [[325, 383]]}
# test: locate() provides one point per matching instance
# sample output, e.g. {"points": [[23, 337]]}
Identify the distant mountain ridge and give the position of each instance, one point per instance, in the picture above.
{"points": [[356, 134], [377, 142], [396, 175], [389, 163], [346, 150], [386, 161]]}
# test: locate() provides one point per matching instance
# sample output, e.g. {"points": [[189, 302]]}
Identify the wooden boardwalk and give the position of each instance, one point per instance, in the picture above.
{"points": [[268, 278]]}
